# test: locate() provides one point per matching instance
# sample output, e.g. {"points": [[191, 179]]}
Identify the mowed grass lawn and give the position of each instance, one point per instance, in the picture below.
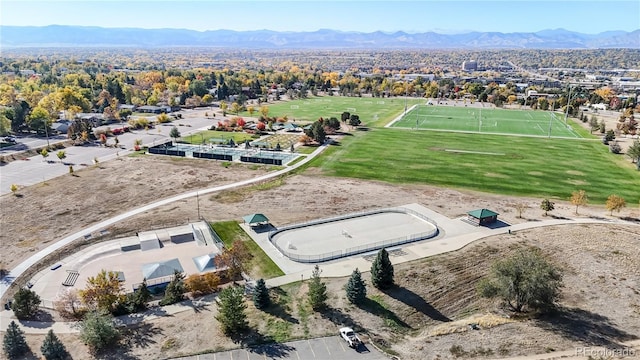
{"points": [[488, 120], [261, 265], [372, 111], [205, 136], [525, 166]]}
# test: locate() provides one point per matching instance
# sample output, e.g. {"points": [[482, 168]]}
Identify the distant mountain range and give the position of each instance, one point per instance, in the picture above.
{"points": [[82, 36]]}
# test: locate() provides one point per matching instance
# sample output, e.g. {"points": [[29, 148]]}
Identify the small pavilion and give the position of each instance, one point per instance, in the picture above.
{"points": [[255, 220], [482, 216]]}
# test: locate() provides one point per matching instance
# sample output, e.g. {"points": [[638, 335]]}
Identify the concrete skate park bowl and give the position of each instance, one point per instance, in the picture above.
{"points": [[333, 238]]}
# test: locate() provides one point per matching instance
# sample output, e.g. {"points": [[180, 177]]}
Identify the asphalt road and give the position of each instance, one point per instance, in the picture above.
{"points": [[328, 348]]}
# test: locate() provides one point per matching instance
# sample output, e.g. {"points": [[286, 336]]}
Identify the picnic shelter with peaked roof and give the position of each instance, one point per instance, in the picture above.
{"points": [[255, 219], [482, 216]]}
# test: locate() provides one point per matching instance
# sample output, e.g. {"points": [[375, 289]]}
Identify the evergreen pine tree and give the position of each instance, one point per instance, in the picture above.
{"points": [[25, 303], [52, 348], [355, 288], [14, 344], [142, 296], [382, 271], [231, 311], [175, 289], [261, 295], [317, 290]]}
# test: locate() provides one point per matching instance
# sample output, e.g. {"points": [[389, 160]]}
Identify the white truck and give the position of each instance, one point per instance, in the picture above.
{"points": [[350, 337]]}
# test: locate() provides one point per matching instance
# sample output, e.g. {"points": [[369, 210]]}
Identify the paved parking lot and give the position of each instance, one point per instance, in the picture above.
{"points": [[328, 348]]}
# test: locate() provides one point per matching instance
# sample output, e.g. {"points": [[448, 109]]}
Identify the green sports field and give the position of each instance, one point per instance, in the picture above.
{"points": [[512, 165], [487, 120], [372, 111]]}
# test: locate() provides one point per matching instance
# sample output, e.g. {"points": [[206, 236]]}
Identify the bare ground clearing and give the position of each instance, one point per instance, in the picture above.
{"points": [[602, 271], [427, 315]]}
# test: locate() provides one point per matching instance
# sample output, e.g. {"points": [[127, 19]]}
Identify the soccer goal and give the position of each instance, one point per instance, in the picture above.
{"points": [[351, 110], [295, 107]]}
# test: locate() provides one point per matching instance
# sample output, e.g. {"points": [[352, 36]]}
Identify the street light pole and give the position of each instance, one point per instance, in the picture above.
{"points": [[198, 203], [46, 130]]}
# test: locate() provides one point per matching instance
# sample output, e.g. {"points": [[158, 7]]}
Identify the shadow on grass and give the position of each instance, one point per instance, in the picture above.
{"points": [[412, 299], [259, 343], [196, 305], [586, 327], [377, 309], [140, 336], [280, 307], [340, 318]]}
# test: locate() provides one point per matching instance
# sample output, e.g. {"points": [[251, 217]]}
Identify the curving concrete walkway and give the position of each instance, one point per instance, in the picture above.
{"points": [[338, 268], [6, 281]]}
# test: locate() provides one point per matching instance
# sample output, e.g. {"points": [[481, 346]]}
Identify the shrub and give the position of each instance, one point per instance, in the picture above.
{"points": [[524, 281], [615, 148], [98, 331]]}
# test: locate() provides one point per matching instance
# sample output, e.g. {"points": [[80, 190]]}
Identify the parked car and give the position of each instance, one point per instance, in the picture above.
{"points": [[10, 139], [350, 337]]}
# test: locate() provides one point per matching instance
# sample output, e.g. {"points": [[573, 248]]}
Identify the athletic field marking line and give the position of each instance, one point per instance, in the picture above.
{"points": [[474, 152]]}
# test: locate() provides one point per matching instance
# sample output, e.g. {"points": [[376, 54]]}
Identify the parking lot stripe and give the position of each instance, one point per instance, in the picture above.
{"points": [[311, 348], [327, 346], [342, 345]]}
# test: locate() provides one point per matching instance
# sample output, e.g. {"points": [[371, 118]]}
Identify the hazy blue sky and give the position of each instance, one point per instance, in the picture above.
{"points": [[353, 15]]}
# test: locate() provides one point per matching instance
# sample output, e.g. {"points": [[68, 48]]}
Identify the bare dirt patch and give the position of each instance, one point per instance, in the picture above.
{"points": [[428, 315], [602, 274]]}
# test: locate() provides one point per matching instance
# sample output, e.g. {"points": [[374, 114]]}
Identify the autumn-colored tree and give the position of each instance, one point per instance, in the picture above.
{"points": [[213, 280], [103, 139], [605, 92], [615, 203], [261, 126], [163, 118], [103, 291], [61, 155], [69, 305], [224, 106], [251, 110], [197, 284], [236, 108], [264, 110], [305, 139], [241, 122], [39, 119], [14, 189], [45, 154], [520, 207], [579, 198], [234, 259]]}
